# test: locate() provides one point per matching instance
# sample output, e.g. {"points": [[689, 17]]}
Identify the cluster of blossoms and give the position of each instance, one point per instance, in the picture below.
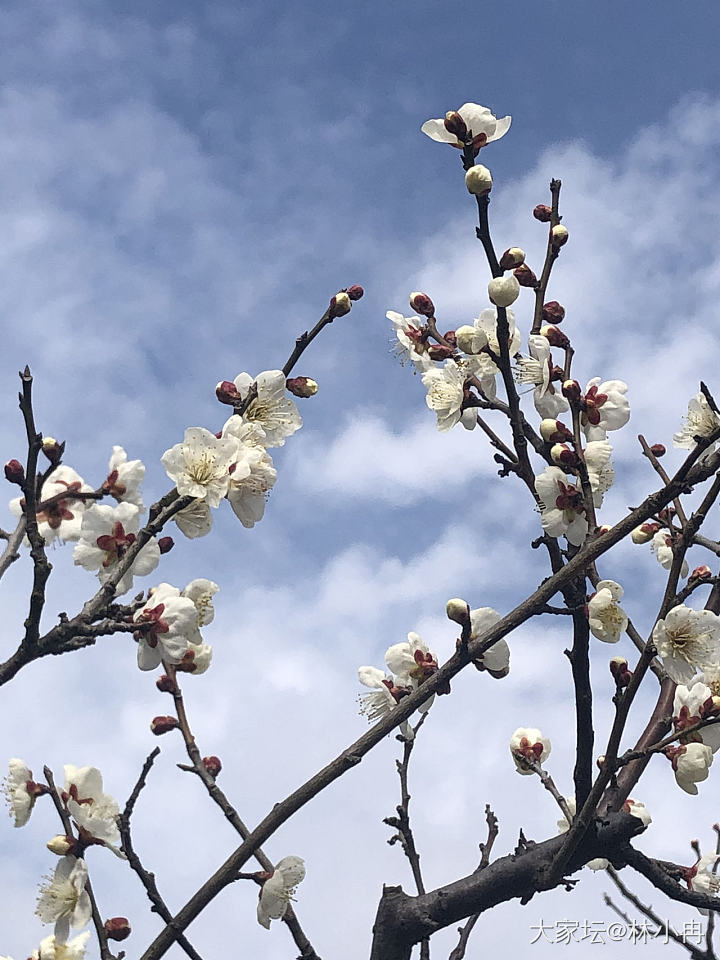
{"points": [[528, 749], [694, 704], [168, 626]]}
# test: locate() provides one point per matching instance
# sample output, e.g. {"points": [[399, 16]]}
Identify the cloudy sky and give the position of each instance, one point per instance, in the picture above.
{"points": [[183, 188]]}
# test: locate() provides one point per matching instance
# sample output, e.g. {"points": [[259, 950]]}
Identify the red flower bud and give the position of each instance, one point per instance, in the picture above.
{"points": [[165, 684], [455, 124], [355, 292], [340, 305], [53, 450], [166, 544], [449, 335], [15, 472], [543, 213], [212, 765], [658, 450], [227, 392], [571, 390], [553, 312], [438, 351], [701, 573], [161, 725], [620, 671], [117, 928], [301, 387], [556, 337], [524, 276], [422, 304]]}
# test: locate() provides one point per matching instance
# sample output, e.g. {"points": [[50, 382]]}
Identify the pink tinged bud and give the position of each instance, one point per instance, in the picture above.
{"points": [[455, 124], [478, 180], [165, 684], [553, 312], [355, 292], [524, 275], [212, 765], [564, 456], [701, 573], [61, 845], [15, 472], [227, 392], [458, 611], [340, 305], [620, 671], [504, 291], [554, 431], [513, 257], [422, 304], [52, 449], [559, 236], [161, 725], [543, 213], [658, 450], [449, 335], [438, 351], [166, 544], [571, 390], [117, 928], [604, 528], [555, 337], [302, 387], [645, 532]]}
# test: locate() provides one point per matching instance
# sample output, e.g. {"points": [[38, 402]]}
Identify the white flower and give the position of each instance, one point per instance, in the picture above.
{"points": [[279, 889], [252, 475], [527, 743], [94, 811], [701, 421], [410, 345], [196, 659], [470, 340], [637, 808], [125, 478], [537, 369], [482, 126], [272, 409], [661, 546], [412, 662], [487, 322], [562, 507], [496, 659], [201, 592], [504, 291], [20, 791], [600, 471], [195, 520], [445, 393], [384, 694], [63, 899], [200, 465], [599, 863], [60, 520], [703, 879], [106, 535], [51, 949], [691, 763], [693, 703], [607, 620], [605, 407], [687, 640], [173, 620]]}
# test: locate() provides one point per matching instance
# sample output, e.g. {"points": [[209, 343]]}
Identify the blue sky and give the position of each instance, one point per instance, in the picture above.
{"points": [[182, 190]]}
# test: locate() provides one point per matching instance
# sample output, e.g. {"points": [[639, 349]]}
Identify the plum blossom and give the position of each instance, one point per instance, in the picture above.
{"points": [[195, 520], [536, 369], [562, 508], [412, 663], [687, 640], [279, 889], [21, 791], [601, 475], [691, 764], [410, 344], [51, 949], [604, 407], [252, 475], [384, 696], [445, 393], [61, 520], [173, 620], [63, 899], [504, 291], [125, 478], [92, 809], [606, 618], [528, 744], [482, 126], [201, 592], [701, 421], [106, 534], [271, 409], [703, 879], [496, 659], [662, 547], [693, 703], [200, 465]]}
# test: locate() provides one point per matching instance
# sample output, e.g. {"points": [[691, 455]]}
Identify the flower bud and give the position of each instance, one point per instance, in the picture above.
{"points": [[212, 765], [166, 544], [451, 338], [438, 351], [555, 337], [513, 257], [604, 528], [528, 744], [620, 671], [227, 392], [302, 387], [504, 291], [458, 610], [478, 180], [52, 449], [161, 725], [455, 124], [701, 573], [355, 292], [117, 928], [559, 235], [470, 340], [645, 532], [165, 684], [553, 312], [658, 450], [563, 456], [554, 431], [422, 304], [543, 213], [15, 472], [571, 390], [340, 304], [61, 845], [524, 275]]}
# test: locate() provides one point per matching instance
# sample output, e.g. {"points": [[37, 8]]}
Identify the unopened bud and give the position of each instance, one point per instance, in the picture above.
{"points": [[458, 610], [555, 336], [52, 449], [571, 390], [701, 573], [504, 291], [455, 124], [604, 528], [553, 312], [166, 544], [559, 235], [160, 725], [525, 276], [165, 684], [117, 928], [340, 305], [600, 762], [227, 392], [212, 765], [645, 532], [620, 671], [470, 340], [564, 456], [658, 450], [15, 472], [438, 351], [513, 257], [302, 387], [355, 292], [711, 707], [451, 337], [422, 304], [554, 431], [478, 180], [61, 845], [543, 213]]}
